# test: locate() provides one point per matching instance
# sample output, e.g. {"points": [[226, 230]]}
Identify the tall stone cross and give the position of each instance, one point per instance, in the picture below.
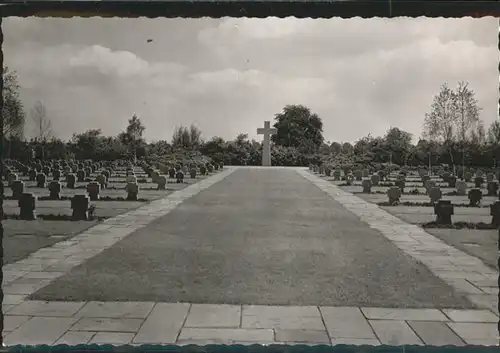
{"points": [[267, 131]]}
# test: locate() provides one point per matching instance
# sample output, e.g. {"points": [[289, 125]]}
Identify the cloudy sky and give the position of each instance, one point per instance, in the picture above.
{"points": [[229, 75]]}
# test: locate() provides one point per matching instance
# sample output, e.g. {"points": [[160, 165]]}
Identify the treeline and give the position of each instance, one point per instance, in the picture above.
{"points": [[453, 134]]}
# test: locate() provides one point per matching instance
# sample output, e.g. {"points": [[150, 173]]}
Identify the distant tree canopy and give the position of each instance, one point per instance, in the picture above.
{"points": [[298, 127], [184, 137]]}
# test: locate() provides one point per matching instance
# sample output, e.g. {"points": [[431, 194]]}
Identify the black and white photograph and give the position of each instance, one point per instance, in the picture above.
{"points": [[251, 181]]}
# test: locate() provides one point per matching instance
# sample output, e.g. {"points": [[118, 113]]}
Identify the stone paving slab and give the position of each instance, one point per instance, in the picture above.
{"points": [[444, 261], [219, 316], [482, 244], [184, 323], [435, 333]]}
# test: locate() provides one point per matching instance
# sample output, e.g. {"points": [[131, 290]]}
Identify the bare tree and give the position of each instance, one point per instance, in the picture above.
{"points": [[469, 126], [439, 124], [186, 137], [195, 133], [467, 111], [477, 135], [43, 125]]}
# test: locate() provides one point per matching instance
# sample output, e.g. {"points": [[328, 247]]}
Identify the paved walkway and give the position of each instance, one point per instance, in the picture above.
{"points": [[172, 221], [181, 323]]}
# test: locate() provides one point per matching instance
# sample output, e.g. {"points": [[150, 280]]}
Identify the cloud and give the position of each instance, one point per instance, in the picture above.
{"points": [[228, 75]]}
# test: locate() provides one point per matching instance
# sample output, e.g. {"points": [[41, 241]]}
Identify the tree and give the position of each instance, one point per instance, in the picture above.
{"points": [[398, 144], [195, 135], [494, 140], [88, 144], [298, 127], [335, 148], [477, 135], [14, 116], [347, 148], [42, 123], [454, 117], [363, 148], [494, 133], [180, 137], [214, 148], [241, 139], [439, 124], [184, 137], [467, 111], [427, 152], [325, 148], [42, 127], [132, 136], [469, 127]]}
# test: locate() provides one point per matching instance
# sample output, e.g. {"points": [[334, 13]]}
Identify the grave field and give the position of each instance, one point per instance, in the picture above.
{"points": [[226, 246], [54, 223]]}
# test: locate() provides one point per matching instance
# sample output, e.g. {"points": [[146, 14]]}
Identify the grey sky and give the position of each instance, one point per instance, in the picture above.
{"points": [[229, 75]]}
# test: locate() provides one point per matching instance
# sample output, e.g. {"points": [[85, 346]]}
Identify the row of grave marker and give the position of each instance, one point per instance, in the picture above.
{"points": [[443, 209], [80, 204]]}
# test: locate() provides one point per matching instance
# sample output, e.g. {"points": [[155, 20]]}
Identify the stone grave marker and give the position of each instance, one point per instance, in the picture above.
{"points": [[80, 205], [475, 197], [443, 210], [132, 191], [27, 206]]}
